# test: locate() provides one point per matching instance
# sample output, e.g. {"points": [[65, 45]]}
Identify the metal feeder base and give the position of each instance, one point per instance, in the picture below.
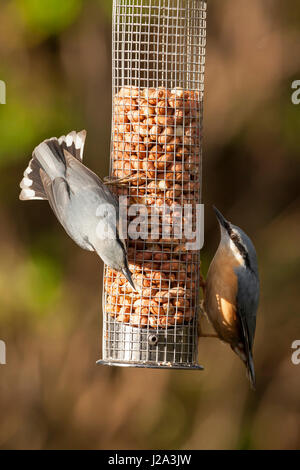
{"points": [[149, 365], [168, 348]]}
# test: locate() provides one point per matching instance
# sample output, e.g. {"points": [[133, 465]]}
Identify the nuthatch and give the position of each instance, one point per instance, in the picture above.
{"points": [[232, 292], [82, 203]]}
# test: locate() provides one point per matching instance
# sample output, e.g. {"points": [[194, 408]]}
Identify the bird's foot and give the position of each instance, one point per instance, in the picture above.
{"points": [[121, 181]]}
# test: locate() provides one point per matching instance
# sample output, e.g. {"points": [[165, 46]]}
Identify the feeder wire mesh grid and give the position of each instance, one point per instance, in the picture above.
{"points": [[158, 81]]}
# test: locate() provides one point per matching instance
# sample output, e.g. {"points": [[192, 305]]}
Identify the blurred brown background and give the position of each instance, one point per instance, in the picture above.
{"points": [[55, 58]]}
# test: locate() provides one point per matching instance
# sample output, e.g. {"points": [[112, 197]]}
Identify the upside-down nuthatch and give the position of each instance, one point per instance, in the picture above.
{"points": [[232, 292], [76, 195]]}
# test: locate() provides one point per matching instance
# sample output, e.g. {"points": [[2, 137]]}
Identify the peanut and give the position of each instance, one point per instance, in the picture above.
{"points": [[164, 120], [154, 132], [129, 92], [166, 135], [156, 136], [138, 320], [123, 318]]}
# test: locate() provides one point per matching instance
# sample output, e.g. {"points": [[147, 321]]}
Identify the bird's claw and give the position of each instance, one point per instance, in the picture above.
{"points": [[121, 181]]}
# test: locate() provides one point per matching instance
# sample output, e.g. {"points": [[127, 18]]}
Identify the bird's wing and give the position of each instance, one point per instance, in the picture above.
{"points": [[247, 304], [79, 176], [58, 194]]}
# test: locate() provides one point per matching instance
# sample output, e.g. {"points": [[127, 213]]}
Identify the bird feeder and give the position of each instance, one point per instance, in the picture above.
{"points": [[158, 55]]}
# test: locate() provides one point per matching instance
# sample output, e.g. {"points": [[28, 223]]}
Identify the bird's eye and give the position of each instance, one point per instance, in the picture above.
{"points": [[237, 241]]}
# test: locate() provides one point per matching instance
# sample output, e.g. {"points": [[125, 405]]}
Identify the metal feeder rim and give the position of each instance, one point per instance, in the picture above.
{"points": [[150, 365], [156, 330]]}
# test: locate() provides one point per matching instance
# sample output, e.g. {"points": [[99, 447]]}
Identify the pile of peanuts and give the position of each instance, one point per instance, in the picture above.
{"points": [[156, 146]]}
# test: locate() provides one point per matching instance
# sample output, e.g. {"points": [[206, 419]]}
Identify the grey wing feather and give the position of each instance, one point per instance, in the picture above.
{"points": [[58, 193], [61, 196], [78, 175], [247, 304]]}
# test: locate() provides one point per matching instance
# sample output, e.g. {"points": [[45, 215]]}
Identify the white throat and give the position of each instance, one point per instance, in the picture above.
{"points": [[236, 253], [230, 246]]}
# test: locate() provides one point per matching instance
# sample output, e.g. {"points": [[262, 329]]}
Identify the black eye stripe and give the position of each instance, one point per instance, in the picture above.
{"points": [[237, 241], [234, 237]]}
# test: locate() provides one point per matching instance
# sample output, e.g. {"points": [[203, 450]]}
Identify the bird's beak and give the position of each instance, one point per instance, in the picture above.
{"points": [[128, 276], [222, 221]]}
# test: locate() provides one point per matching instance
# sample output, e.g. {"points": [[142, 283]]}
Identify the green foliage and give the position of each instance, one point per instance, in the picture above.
{"points": [[23, 122], [19, 125], [39, 283], [48, 17], [106, 6], [37, 287]]}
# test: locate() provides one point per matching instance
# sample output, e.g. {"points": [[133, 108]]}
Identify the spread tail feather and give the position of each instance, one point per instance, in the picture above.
{"points": [[73, 143], [31, 184], [49, 156]]}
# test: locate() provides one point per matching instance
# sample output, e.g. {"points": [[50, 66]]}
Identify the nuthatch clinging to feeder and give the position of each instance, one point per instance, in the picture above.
{"points": [[82, 203], [232, 292]]}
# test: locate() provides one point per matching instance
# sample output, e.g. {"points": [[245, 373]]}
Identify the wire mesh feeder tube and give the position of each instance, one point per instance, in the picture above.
{"points": [[158, 80]]}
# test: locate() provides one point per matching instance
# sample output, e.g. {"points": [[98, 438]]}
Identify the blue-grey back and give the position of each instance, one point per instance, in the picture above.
{"points": [[248, 299]]}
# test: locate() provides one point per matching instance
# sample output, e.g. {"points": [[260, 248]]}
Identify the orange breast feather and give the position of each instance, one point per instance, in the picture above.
{"points": [[221, 291]]}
